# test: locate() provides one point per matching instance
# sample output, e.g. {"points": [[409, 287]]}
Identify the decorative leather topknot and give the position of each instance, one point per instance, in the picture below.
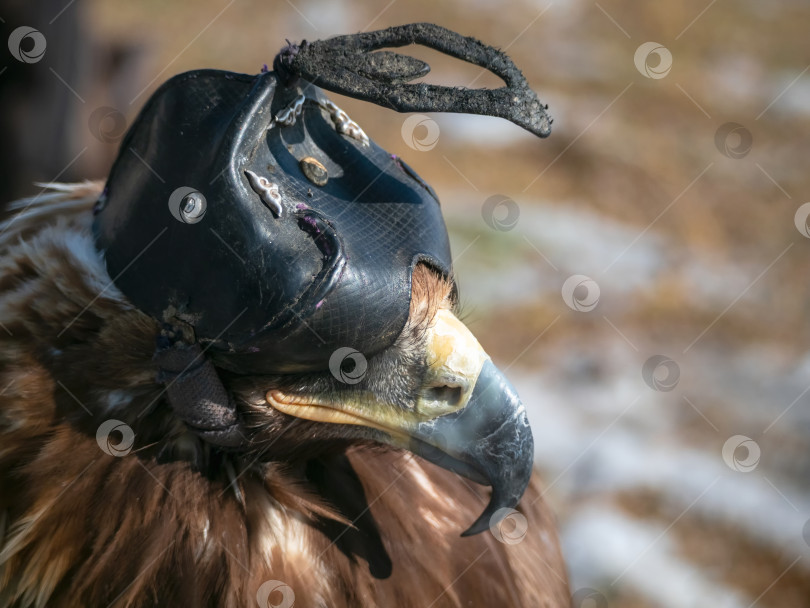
{"points": [[353, 65]]}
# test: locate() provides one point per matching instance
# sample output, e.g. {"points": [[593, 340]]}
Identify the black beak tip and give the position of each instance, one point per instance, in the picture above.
{"points": [[505, 497]]}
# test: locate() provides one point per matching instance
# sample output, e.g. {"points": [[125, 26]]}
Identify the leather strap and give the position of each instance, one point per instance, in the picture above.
{"points": [[197, 394]]}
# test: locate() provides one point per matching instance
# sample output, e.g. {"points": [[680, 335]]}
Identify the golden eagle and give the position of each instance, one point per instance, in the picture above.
{"points": [[118, 485]]}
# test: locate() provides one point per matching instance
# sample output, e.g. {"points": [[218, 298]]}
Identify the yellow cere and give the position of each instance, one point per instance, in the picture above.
{"points": [[455, 358], [453, 349]]}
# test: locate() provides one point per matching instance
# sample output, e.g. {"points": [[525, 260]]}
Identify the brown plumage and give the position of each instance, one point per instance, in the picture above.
{"points": [[173, 523]]}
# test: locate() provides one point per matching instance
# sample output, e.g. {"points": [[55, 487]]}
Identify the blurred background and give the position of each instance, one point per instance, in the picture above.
{"points": [[642, 274]]}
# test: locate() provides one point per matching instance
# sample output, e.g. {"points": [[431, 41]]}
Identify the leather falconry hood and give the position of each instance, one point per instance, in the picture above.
{"points": [[253, 214]]}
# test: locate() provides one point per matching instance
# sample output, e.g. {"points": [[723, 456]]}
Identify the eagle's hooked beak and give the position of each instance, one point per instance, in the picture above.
{"points": [[467, 418]]}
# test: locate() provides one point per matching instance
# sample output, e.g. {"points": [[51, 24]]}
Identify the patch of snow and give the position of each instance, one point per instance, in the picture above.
{"points": [[603, 545]]}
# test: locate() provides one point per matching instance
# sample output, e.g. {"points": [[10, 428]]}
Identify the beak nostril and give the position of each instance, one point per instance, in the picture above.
{"points": [[450, 395]]}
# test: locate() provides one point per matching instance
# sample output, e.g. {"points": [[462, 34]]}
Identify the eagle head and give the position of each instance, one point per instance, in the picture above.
{"points": [[278, 246]]}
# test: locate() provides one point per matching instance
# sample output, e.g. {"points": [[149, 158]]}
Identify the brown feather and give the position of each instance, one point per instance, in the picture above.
{"points": [[79, 527]]}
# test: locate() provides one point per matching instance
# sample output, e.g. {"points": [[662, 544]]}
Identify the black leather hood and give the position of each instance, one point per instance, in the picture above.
{"points": [[278, 291], [252, 213]]}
